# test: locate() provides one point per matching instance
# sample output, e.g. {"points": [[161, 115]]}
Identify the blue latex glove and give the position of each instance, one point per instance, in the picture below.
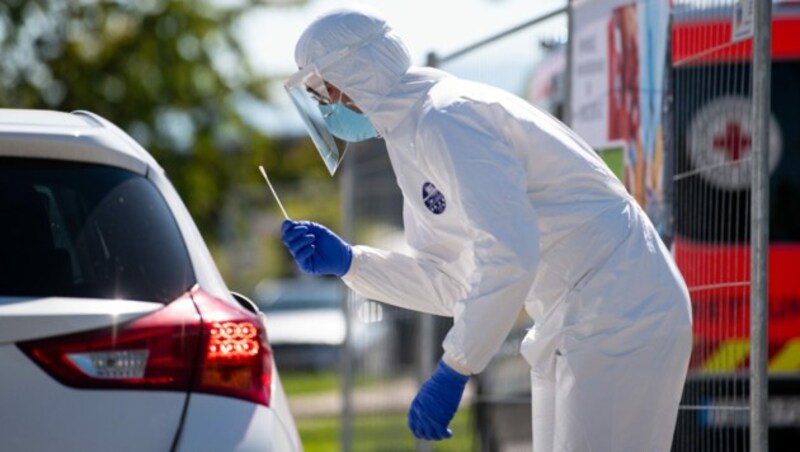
{"points": [[436, 403], [316, 249]]}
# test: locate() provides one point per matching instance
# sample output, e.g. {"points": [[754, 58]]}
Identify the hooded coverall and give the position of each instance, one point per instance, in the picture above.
{"points": [[504, 208]]}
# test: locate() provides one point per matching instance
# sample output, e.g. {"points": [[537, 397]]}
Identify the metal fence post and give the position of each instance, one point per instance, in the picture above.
{"points": [[759, 217], [426, 346], [433, 59], [568, 66], [346, 361], [425, 325]]}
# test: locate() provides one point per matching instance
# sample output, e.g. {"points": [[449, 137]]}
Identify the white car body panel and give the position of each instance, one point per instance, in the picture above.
{"points": [[24, 318], [75, 137], [37, 413], [280, 405], [244, 427]]}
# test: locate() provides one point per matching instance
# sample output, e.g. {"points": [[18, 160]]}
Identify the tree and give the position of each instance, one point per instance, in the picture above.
{"points": [[169, 72]]}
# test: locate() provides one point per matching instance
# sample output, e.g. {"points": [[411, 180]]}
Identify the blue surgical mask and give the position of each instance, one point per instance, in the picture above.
{"points": [[346, 124]]}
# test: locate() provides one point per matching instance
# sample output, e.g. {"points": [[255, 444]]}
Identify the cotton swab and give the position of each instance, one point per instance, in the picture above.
{"points": [[264, 173]]}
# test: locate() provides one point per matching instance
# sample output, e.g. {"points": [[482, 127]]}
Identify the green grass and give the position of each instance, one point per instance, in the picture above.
{"points": [[381, 432], [300, 383], [303, 383], [372, 432]]}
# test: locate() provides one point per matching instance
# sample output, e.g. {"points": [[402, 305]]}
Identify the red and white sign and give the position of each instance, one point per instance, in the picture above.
{"points": [[720, 142]]}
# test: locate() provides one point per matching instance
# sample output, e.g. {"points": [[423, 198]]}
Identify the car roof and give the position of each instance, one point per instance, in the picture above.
{"points": [[77, 136]]}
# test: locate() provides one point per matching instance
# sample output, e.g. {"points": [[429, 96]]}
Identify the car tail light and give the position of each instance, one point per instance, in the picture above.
{"points": [[156, 351], [195, 343], [236, 359]]}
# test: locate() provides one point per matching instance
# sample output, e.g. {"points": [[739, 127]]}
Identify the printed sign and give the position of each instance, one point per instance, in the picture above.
{"points": [[742, 20]]}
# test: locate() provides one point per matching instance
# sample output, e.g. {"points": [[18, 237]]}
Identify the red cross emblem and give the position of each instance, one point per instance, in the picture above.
{"points": [[720, 139], [734, 142]]}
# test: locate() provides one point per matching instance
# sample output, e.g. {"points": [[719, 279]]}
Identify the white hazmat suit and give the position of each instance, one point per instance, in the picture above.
{"points": [[505, 208]]}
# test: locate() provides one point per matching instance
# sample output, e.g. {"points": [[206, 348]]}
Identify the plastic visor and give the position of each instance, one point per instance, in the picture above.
{"points": [[307, 90]]}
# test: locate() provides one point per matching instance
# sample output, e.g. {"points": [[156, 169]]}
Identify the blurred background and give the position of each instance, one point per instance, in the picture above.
{"points": [[199, 84]]}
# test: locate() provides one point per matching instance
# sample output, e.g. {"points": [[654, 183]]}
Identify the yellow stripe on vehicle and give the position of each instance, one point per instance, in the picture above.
{"points": [[787, 359], [729, 356]]}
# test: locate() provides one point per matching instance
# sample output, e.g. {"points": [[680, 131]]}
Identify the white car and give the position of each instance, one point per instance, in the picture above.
{"points": [[307, 325], [117, 332], [306, 321]]}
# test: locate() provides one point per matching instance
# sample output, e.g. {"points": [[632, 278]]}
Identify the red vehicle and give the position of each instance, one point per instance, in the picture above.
{"points": [[711, 126]]}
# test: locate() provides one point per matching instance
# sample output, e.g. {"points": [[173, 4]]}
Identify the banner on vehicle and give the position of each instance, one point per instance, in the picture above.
{"points": [[617, 82]]}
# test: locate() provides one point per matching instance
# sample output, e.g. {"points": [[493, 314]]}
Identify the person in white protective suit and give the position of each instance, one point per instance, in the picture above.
{"points": [[504, 207]]}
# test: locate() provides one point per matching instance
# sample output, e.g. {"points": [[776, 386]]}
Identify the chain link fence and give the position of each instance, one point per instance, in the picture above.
{"points": [[719, 111]]}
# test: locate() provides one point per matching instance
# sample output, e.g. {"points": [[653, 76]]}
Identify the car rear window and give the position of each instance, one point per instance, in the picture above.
{"points": [[82, 230]]}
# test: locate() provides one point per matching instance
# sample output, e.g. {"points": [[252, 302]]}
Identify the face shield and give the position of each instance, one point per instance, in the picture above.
{"points": [[307, 91], [331, 120]]}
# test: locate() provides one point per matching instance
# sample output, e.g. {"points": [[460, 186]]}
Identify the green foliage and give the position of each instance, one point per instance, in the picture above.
{"points": [[164, 70], [172, 74]]}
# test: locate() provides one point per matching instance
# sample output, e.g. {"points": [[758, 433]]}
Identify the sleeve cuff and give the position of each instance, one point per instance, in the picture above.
{"points": [[451, 363], [351, 272]]}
